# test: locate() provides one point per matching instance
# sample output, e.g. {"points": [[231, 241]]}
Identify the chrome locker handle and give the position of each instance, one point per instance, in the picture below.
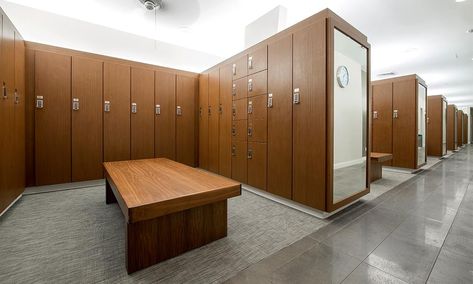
{"points": [[250, 107], [39, 102], [233, 150], [375, 114], [4, 91], [395, 113], [234, 69], [250, 62], [296, 98], [134, 108], [75, 104], [106, 106], [158, 109], [250, 85], [250, 131], [178, 110], [17, 97], [270, 100], [250, 154], [234, 89]]}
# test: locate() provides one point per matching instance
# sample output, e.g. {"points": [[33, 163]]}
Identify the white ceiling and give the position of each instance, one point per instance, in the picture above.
{"points": [[427, 37]]}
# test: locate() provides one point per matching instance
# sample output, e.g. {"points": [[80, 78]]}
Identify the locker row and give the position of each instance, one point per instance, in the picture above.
{"points": [[88, 110]]}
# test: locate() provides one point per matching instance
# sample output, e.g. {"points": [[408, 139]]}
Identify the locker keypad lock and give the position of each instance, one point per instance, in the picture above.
{"points": [[234, 69], [250, 131], [17, 97], [250, 107], [178, 110], [106, 107], [234, 89], [39, 102], [395, 114], [134, 108], [250, 85], [375, 114], [234, 110], [233, 150], [270, 100], [250, 154], [4, 91], [296, 98], [158, 110], [75, 104], [233, 131], [250, 62]]}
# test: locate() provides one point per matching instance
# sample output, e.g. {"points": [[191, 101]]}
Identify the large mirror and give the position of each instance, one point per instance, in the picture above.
{"points": [[350, 117], [421, 117], [444, 127]]}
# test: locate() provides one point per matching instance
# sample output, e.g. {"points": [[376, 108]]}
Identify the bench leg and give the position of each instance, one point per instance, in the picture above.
{"points": [[151, 241], [376, 171], [109, 196]]}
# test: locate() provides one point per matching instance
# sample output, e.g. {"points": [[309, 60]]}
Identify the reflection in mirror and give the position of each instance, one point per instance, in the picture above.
{"points": [[421, 116], [444, 127], [350, 117]]}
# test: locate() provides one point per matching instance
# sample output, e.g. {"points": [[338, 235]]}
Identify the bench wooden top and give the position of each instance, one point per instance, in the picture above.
{"points": [[381, 157], [146, 189]]}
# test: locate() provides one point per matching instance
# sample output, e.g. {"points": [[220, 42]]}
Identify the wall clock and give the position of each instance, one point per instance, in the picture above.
{"points": [[343, 77]]}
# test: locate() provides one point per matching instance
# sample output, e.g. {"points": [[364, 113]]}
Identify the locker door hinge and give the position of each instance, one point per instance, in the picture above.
{"points": [[134, 108], [106, 106], [200, 111], [270, 100], [233, 131], [220, 109], [178, 110], [395, 114], [250, 131], [234, 89], [234, 111], [250, 154], [158, 109], [75, 104], [296, 97], [39, 102]]}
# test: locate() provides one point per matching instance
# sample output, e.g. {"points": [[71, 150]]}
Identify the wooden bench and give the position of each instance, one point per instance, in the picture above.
{"points": [[377, 160], [169, 208]]}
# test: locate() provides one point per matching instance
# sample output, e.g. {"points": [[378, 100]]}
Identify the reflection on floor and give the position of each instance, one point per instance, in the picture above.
{"points": [[418, 232]]}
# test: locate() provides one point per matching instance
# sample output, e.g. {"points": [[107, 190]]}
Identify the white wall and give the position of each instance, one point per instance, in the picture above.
{"points": [[265, 26]]}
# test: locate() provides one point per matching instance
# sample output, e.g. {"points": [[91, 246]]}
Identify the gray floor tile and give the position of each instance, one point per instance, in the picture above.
{"points": [[439, 212], [321, 264], [460, 240], [407, 259], [464, 218], [452, 268], [366, 273], [428, 231]]}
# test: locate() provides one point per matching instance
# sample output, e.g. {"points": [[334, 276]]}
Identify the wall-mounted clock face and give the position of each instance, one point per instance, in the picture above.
{"points": [[343, 77]]}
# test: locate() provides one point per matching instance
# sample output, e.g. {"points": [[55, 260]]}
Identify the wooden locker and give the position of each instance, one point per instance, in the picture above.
{"points": [[465, 129], [239, 130], [214, 103], [257, 167], [405, 125], [240, 67], [186, 120], [257, 107], [53, 118], [257, 84], [460, 128], [116, 117], [239, 161], [451, 128], [30, 110], [382, 123], [204, 121], [165, 115], [225, 122], [240, 89], [435, 126], [309, 116], [257, 119], [280, 117], [257, 130], [258, 60], [142, 113], [87, 122], [240, 109]]}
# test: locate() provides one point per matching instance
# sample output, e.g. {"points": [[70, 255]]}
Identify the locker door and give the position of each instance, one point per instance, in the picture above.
{"points": [[239, 67], [280, 117], [52, 118], [186, 120], [434, 124], [257, 165], [239, 130], [239, 161], [214, 90], [257, 130], [257, 84], [116, 117], [87, 123], [240, 89], [382, 123], [142, 113], [460, 128], [309, 122], [204, 121], [257, 118], [240, 109], [30, 110], [225, 122], [404, 126], [165, 115], [258, 60]]}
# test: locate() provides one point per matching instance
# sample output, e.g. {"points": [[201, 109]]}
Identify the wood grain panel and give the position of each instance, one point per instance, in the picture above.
{"points": [[165, 122], [225, 122], [258, 84], [53, 121], [460, 128], [259, 59], [116, 123], [142, 122], [280, 117], [257, 130], [87, 121], [451, 128], [404, 127], [465, 128], [239, 160], [382, 127], [204, 121], [214, 102], [240, 109], [30, 111], [434, 141], [240, 66], [186, 124], [239, 130], [240, 89], [309, 117], [259, 105], [257, 164]]}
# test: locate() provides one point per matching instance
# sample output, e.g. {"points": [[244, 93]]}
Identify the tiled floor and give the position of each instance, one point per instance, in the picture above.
{"points": [[419, 232]]}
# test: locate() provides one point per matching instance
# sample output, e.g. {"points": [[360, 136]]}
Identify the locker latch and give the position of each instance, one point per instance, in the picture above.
{"points": [[250, 131], [270, 100], [39, 102], [220, 109], [4, 91], [234, 110], [250, 85], [250, 107], [395, 114], [134, 108], [158, 109], [178, 111], [234, 69], [233, 150], [296, 98], [250, 154], [233, 131], [250, 62], [106, 106], [375, 114], [17, 97], [234, 89], [200, 110], [209, 110], [75, 104]]}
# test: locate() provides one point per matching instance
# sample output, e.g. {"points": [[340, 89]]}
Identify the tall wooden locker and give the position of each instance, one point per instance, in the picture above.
{"points": [[87, 122], [214, 104], [382, 126], [460, 128], [29, 119], [280, 117], [52, 118], [186, 120], [142, 113], [309, 116], [465, 129], [165, 115], [452, 127], [116, 117], [225, 122], [436, 126], [204, 121]]}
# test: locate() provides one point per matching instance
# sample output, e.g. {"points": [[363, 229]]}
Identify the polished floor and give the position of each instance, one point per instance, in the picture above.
{"points": [[419, 232]]}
